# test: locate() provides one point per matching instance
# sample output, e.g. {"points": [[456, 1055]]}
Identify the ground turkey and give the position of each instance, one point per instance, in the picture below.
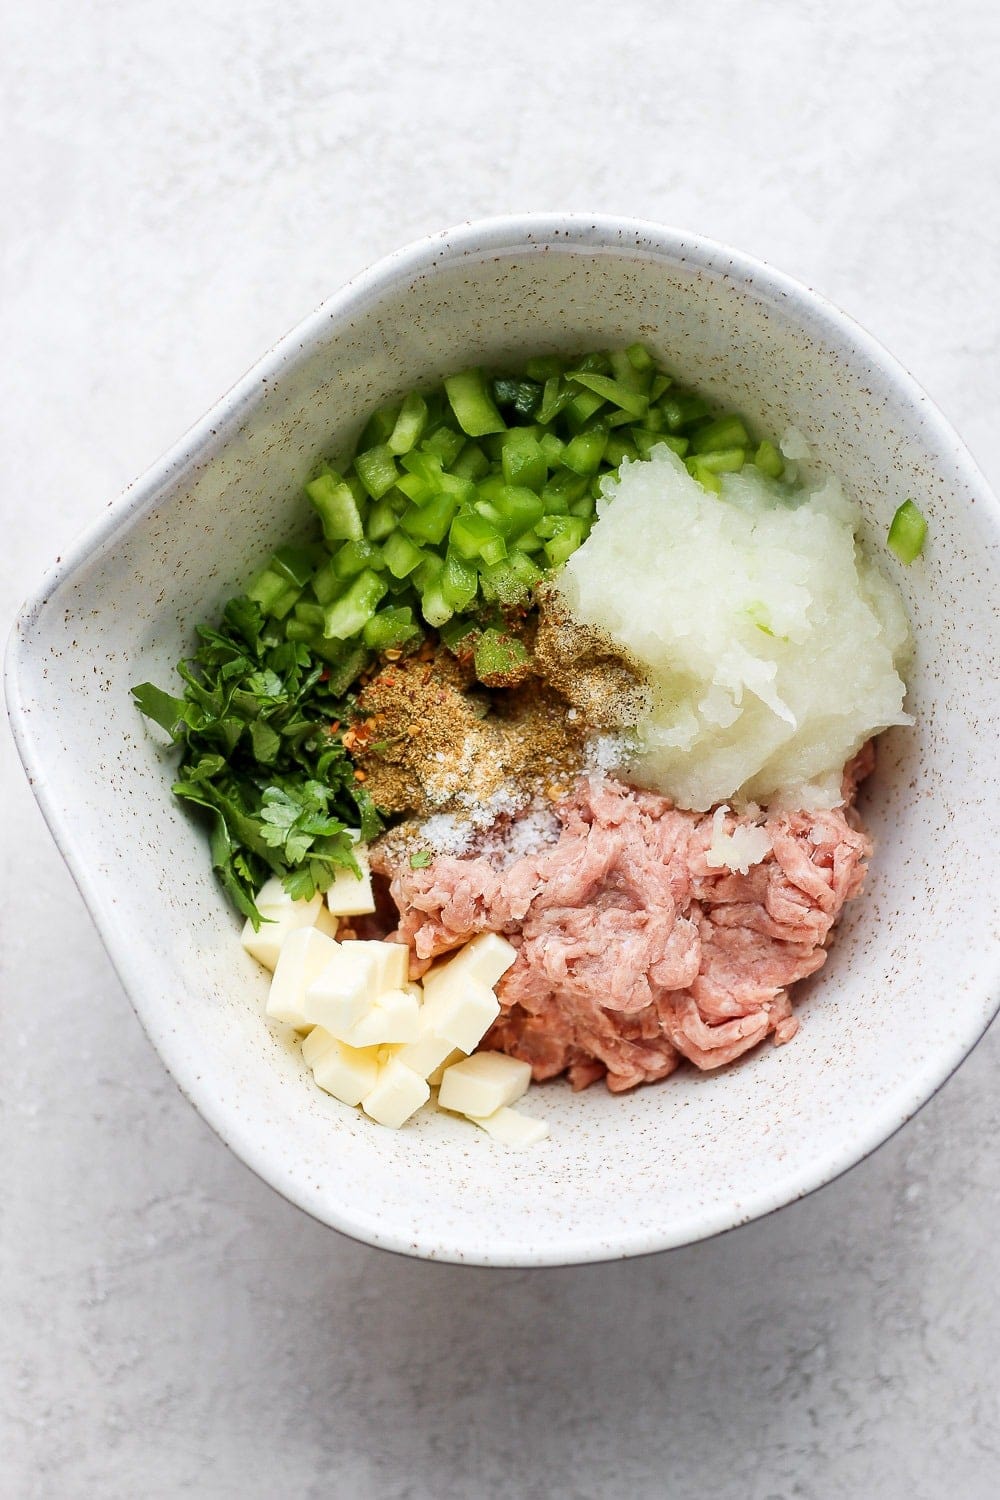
{"points": [[633, 951]]}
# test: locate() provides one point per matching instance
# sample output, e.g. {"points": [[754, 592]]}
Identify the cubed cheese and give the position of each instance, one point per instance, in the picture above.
{"points": [[348, 1073], [303, 957], [482, 1084], [511, 1128], [281, 916], [315, 1044], [428, 1053], [357, 974], [393, 961], [339, 996], [484, 960], [394, 1017], [348, 896], [460, 1012], [327, 923], [434, 1078], [398, 1093]]}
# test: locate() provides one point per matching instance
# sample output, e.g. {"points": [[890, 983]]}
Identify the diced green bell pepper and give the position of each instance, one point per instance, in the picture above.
{"points": [[390, 627], [459, 582], [376, 468], [474, 537], [768, 459], [614, 391], [338, 509], [409, 424], [472, 404], [584, 453], [430, 522], [401, 555], [722, 434], [908, 532], [353, 557], [347, 615], [524, 462]]}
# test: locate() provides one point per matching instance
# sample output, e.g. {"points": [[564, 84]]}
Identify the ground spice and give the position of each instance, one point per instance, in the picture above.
{"points": [[453, 758], [431, 740], [587, 670]]}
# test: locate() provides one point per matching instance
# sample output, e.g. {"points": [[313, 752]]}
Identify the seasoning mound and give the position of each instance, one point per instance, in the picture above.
{"points": [[452, 758]]}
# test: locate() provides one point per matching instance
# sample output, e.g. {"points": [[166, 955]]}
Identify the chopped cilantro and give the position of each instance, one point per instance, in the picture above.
{"points": [[261, 759], [420, 859]]}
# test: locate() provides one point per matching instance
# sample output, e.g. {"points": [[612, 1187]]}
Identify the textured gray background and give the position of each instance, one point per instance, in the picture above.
{"points": [[187, 181]]}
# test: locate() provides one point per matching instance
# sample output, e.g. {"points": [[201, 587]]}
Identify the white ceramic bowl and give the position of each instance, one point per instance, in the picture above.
{"points": [[912, 980]]}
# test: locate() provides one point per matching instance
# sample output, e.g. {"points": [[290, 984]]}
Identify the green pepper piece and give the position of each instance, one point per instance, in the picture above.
{"points": [[327, 584], [444, 443], [473, 536], [430, 522], [459, 581], [337, 507], [390, 627], [353, 557], [472, 404], [376, 468], [908, 532], [564, 541], [381, 521], [408, 425], [273, 593], [295, 564], [614, 391], [401, 556], [768, 460], [348, 614], [717, 461], [471, 463], [640, 357], [723, 433], [500, 658], [584, 453], [523, 461]]}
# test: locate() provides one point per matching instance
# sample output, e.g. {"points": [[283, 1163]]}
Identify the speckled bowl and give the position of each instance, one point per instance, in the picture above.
{"points": [[912, 980]]}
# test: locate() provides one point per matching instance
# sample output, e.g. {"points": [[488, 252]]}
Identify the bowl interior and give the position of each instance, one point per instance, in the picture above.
{"points": [[908, 987]]}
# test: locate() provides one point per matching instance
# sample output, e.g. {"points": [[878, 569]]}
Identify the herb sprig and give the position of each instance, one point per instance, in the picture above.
{"points": [[262, 758]]}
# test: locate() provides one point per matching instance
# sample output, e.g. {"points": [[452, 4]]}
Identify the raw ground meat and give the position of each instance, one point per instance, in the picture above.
{"points": [[634, 952]]}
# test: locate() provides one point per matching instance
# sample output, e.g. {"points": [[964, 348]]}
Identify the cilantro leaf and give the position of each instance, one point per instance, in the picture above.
{"points": [[259, 757], [161, 707]]}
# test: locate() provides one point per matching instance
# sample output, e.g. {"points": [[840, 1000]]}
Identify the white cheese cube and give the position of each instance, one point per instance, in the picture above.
{"points": [[348, 896], [345, 990], [304, 955], [480, 1085], [484, 960], [427, 1053], [393, 961], [348, 1073], [394, 1017], [315, 1044], [460, 1012], [434, 1078], [397, 1095], [327, 923], [272, 897], [511, 1128], [281, 916]]}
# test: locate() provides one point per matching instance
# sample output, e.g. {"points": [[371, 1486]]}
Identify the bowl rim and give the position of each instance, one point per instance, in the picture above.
{"points": [[518, 233]]}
